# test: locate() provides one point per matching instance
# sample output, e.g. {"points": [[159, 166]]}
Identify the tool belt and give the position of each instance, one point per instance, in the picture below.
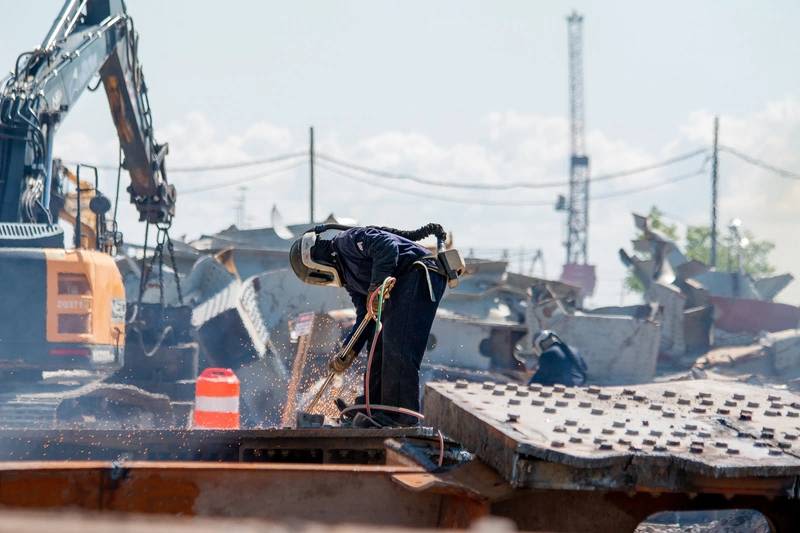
{"points": [[446, 263]]}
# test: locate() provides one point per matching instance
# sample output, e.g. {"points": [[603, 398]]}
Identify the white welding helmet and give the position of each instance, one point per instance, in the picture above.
{"points": [[309, 270]]}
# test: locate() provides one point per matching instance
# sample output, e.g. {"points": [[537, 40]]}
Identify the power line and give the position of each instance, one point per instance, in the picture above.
{"points": [[668, 181], [432, 196], [254, 177], [221, 166], [509, 185], [424, 195], [788, 174], [614, 194], [239, 164]]}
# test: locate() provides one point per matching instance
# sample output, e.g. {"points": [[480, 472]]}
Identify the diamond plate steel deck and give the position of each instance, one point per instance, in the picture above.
{"points": [[660, 436]]}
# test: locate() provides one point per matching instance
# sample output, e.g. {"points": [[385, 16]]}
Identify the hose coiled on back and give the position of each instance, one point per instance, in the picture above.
{"points": [[418, 234]]}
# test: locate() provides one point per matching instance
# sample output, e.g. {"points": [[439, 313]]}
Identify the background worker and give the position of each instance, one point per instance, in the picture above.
{"points": [[360, 259], [558, 363]]}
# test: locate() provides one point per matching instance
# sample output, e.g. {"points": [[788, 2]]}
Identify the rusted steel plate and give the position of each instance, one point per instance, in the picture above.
{"points": [[607, 436], [317, 445], [740, 314], [324, 493]]}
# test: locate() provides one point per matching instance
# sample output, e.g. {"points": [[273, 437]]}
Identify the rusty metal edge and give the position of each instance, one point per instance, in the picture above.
{"points": [[12, 466]]}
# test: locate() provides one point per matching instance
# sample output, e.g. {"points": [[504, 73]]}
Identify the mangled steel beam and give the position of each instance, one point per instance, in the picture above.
{"points": [[754, 316], [230, 326], [770, 287], [741, 303]]}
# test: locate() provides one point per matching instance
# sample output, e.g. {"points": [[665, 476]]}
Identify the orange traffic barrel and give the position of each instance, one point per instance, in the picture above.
{"points": [[216, 400]]}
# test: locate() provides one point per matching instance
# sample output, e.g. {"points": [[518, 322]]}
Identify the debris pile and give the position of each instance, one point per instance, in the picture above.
{"points": [[699, 303]]}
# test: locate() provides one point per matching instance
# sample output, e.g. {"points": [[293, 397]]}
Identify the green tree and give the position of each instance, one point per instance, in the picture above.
{"points": [[753, 252]]}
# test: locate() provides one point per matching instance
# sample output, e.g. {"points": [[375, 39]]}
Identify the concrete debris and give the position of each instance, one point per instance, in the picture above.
{"points": [[472, 343], [727, 338], [619, 345], [731, 356], [784, 349], [617, 349]]}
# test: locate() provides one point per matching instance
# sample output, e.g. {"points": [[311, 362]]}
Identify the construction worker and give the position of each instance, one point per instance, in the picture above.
{"points": [[360, 259], [558, 363]]}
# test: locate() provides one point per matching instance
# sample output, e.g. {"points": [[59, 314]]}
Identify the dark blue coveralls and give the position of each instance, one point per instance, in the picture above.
{"points": [[560, 365], [366, 257]]}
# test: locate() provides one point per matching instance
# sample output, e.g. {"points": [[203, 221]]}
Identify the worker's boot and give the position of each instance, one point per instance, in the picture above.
{"points": [[377, 420], [357, 418], [342, 405]]}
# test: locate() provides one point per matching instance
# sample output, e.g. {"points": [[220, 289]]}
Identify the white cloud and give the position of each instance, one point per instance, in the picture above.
{"points": [[516, 146]]}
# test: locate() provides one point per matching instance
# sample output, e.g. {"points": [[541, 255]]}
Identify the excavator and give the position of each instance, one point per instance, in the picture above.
{"points": [[64, 308]]}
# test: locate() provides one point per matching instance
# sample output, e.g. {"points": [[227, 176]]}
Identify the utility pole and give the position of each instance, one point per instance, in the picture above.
{"points": [[578, 204], [714, 182], [241, 217], [311, 172]]}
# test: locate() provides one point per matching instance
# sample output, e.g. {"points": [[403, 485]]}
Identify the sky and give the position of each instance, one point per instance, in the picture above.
{"points": [[460, 91]]}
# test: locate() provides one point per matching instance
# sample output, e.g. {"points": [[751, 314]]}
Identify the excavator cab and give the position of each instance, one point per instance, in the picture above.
{"points": [[67, 310], [69, 305]]}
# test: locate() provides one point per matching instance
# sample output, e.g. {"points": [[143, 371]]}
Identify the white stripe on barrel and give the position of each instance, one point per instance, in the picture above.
{"points": [[217, 404]]}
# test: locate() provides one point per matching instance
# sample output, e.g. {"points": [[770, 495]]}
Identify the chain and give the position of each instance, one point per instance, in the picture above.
{"points": [[144, 274], [171, 250], [161, 239], [161, 275]]}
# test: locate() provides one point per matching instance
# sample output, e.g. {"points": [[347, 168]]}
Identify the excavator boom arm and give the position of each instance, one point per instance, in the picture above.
{"points": [[89, 38]]}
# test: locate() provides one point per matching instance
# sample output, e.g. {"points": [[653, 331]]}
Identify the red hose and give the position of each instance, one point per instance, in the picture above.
{"points": [[375, 338]]}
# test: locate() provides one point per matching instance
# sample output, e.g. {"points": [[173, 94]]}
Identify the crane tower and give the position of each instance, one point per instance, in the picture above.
{"points": [[578, 206]]}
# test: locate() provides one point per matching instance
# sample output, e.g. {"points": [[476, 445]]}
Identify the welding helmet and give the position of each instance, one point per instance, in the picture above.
{"points": [[313, 259], [544, 340]]}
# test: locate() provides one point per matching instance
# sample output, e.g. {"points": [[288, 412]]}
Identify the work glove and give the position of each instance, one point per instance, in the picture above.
{"points": [[374, 295], [373, 301], [340, 364]]}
